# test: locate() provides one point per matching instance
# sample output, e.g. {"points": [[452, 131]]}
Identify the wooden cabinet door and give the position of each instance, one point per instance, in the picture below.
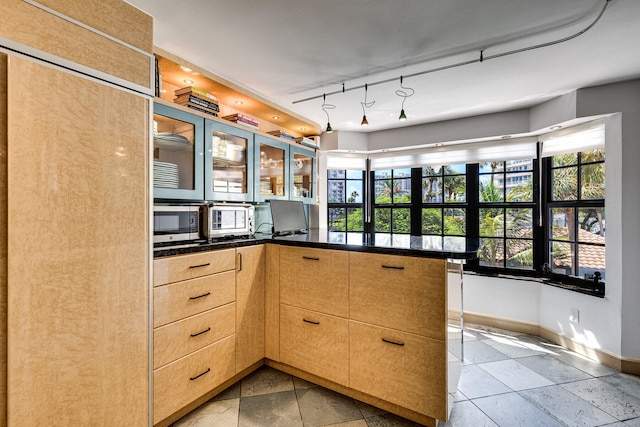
{"points": [[250, 306], [78, 250]]}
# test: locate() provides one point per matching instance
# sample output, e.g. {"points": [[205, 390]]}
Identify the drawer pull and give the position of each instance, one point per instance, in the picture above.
{"points": [[311, 258], [310, 321], [240, 256], [201, 374], [393, 267], [201, 296], [202, 332], [401, 344], [201, 265]]}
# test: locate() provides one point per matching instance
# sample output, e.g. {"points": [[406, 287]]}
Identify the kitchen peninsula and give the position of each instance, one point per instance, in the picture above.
{"points": [[364, 316]]}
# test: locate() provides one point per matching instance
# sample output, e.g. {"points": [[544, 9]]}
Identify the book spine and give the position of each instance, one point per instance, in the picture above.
{"points": [[202, 110], [203, 102]]}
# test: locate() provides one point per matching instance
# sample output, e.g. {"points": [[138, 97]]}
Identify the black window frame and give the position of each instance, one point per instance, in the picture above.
{"points": [[347, 205]]}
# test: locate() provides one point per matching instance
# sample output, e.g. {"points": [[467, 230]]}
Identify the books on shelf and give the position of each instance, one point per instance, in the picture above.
{"points": [[281, 134], [195, 91], [189, 98], [201, 109], [243, 120], [311, 142]]}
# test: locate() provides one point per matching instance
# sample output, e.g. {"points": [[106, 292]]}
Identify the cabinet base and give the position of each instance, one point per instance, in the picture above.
{"points": [[368, 399]]}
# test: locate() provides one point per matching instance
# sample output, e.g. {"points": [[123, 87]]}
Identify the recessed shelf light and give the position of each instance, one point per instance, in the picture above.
{"points": [[239, 102], [188, 81], [186, 69], [276, 117], [303, 128]]}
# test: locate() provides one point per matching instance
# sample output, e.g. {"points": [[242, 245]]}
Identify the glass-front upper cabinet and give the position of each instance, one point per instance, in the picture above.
{"points": [[228, 163], [177, 154], [272, 182], [303, 173]]}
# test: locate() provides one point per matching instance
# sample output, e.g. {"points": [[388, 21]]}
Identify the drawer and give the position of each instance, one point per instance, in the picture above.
{"points": [[177, 339], [183, 267], [183, 299], [406, 369], [316, 343], [181, 382], [315, 279], [399, 292]]}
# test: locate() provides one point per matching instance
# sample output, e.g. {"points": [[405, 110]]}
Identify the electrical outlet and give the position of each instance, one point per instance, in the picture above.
{"points": [[574, 315]]}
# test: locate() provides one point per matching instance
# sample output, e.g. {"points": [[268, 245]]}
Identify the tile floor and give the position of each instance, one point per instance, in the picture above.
{"points": [[508, 379]]}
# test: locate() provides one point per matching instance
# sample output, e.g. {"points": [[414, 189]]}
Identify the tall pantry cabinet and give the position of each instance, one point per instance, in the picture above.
{"points": [[74, 213]]}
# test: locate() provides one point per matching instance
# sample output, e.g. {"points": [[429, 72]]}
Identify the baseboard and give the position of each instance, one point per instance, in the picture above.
{"points": [[626, 365]]}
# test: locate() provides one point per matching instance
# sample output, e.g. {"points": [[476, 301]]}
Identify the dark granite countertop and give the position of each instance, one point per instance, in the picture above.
{"points": [[420, 246]]}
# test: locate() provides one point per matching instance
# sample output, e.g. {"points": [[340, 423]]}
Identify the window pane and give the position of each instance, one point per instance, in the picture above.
{"points": [[592, 185], [519, 165], [491, 189], [402, 190], [591, 222], [354, 219], [334, 173], [520, 187], [519, 223], [336, 191], [593, 156], [455, 188], [383, 191], [401, 220], [402, 173], [337, 220], [455, 222], [432, 190], [455, 169], [354, 175], [565, 159], [561, 258], [383, 174], [564, 184], [520, 254], [563, 222], [432, 221], [382, 220], [432, 171], [491, 167], [491, 222], [354, 191], [591, 259], [491, 252]]}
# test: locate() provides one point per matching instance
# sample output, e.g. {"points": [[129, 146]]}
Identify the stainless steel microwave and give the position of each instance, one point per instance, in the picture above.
{"points": [[228, 220], [176, 223]]}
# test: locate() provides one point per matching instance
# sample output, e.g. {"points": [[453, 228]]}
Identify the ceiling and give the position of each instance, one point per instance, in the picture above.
{"points": [[290, 50]]}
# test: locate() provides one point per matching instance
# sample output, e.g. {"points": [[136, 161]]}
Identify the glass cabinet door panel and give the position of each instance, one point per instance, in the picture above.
{"points": [[177, 154], [272, 171], [303, 172], [229, 163]]}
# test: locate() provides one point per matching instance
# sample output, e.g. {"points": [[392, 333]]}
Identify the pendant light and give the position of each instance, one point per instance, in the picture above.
{"points": [[365, 104], [326, 107], [405, 92]]}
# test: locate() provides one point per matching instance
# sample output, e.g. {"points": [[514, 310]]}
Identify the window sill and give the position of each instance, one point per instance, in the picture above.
{"points": [[598, 293]]}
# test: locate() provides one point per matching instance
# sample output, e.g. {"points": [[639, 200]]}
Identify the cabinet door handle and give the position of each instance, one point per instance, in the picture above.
{"points": [[393, 267], [401, 344], [201, 374], [201, 265], [240, 260], [201, 332], [311, 258], [201, 296], [310, 321]]}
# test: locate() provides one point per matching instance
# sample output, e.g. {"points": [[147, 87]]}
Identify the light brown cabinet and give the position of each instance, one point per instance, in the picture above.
{"points": [[315, 342], [250, 311], [315, 279]]}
